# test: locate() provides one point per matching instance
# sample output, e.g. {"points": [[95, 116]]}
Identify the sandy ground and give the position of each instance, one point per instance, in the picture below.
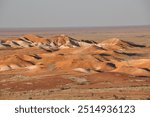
{"points": [[84, 63]]}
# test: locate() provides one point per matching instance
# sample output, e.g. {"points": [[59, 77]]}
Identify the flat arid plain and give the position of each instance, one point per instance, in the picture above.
{"points": [[75, 63]]}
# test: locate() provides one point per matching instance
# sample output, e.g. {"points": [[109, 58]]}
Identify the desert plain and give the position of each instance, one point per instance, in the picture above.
{"points": [[75, 63]]}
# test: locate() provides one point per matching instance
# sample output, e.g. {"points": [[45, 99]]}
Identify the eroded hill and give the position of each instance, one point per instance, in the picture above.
{"points": [[33, 63]]}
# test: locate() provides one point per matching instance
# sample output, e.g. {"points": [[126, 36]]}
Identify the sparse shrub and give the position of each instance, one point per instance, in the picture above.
{"points": [[30, 98], [116, 97]]}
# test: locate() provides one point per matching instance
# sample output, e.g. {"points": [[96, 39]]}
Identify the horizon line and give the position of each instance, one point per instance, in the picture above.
{"points": [[65, 27]]}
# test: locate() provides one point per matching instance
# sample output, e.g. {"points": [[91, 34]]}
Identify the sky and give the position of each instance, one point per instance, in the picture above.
{"points": [[73, 13]]}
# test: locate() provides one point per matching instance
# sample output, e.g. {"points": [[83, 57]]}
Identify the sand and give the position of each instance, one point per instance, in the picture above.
{"points": [[62, 66]]}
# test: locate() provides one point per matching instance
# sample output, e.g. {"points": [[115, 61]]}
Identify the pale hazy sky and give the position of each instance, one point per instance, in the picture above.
{"points": [[70, 13]]}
